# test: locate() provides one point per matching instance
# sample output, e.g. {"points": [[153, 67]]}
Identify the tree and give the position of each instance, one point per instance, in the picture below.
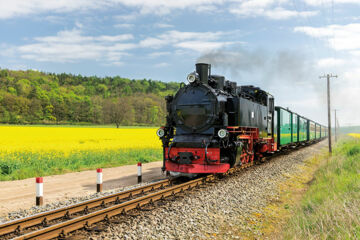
{"points": [[117, 110]]}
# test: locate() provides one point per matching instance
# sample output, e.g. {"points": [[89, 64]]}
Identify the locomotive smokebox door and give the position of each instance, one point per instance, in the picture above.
{"points": [[186, 157]]}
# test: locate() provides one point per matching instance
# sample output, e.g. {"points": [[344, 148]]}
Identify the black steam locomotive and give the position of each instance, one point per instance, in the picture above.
{"points": [[212, 125]]}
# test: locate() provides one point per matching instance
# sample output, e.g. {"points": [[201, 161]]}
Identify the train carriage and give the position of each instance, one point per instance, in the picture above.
{"points": [[284, 126]]}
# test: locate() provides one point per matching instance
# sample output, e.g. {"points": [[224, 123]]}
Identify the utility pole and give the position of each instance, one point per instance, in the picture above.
{"points": [[328, 76]]}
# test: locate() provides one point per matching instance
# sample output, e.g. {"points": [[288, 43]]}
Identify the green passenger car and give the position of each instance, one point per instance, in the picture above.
{"points": [[290, 128], [284, 123]]}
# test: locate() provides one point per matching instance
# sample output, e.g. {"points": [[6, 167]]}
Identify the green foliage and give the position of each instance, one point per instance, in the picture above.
{"points": [[32, 97]]}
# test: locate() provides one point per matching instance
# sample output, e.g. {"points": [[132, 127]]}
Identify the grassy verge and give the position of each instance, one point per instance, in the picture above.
{"points": [[330, 209], [21, 165]]}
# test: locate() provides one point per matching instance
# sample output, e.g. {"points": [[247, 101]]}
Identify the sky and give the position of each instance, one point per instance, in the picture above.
{"points": [[281, 46]]}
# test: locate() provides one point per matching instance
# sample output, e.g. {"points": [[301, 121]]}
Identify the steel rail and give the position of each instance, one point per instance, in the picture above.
{"points": [[62, 229], [16, 226]]}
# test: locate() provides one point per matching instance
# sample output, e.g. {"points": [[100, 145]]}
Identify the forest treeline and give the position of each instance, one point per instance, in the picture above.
{"points": [[32, 97]]}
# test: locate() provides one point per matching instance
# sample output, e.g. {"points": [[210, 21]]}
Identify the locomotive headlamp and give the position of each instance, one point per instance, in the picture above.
{"points": [[222, 133], [160, 132], [192, 77]]}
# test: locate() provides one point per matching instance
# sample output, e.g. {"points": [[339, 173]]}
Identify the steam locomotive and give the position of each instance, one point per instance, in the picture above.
{"points": [[213, 125]]}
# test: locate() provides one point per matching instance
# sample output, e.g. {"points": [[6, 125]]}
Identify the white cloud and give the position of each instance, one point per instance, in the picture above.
{"points": [[197, 41], [274, 9], [14, 8], [116, 38], [328, 2], [271, 9], [339, 37], [330, 62], [166, 6], [75, 36], [70, 46], [74, 45]]}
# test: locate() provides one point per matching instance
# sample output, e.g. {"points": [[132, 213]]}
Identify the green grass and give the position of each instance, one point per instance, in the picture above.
{"points": [[330, 208], [21, 165]]}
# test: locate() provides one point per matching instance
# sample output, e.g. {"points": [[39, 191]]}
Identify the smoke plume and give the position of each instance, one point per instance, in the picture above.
{"points": [[282, 67]]}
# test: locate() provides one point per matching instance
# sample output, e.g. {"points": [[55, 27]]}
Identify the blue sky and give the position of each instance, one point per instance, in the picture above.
{"points": [[281, 46]]}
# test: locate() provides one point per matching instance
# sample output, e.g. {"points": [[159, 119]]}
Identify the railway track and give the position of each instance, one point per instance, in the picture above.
{"points": [[59, 223], [21, 227]]}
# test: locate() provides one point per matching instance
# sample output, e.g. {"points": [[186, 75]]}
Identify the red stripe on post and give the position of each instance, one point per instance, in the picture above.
{"points": [[39, 180], [99, 170], [139, 164]]}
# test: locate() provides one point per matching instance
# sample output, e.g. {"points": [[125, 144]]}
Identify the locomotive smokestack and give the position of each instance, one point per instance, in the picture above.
{"points": [[203, 69]]}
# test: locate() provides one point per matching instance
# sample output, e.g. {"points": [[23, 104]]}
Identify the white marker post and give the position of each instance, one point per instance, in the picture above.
{"points": [[99, 180], [139, 172], [39, 191]]}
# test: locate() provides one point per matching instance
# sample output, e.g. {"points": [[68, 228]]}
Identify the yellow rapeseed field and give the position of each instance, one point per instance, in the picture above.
{"points": [[40, 151], [70, 139], [357, 135]]}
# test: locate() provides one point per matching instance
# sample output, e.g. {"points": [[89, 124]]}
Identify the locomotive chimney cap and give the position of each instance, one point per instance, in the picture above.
{"points": [[204, 71]]}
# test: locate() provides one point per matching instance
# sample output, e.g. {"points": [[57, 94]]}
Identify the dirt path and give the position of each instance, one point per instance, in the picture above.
{"points": [[21, 194]]}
